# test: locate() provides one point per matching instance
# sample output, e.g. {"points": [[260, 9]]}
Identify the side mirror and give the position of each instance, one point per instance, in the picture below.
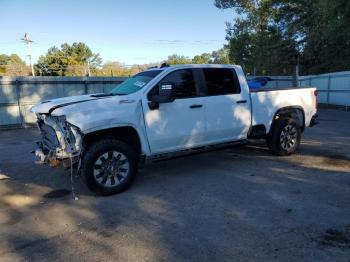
{"points": [[166, 92]]}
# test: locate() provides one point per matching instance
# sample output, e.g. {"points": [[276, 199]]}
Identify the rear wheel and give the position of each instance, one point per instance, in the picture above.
{"points": [[109, 166], [284, 137]]}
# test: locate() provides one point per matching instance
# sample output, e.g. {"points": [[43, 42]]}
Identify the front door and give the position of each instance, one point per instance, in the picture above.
{"points": [[180, 124]]}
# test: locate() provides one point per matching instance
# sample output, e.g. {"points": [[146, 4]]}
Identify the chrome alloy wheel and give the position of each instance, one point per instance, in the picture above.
{"points": [[288, 137], [111, 169]]}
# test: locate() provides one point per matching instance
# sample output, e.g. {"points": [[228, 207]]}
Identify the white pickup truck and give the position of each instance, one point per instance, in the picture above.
{"points": [[163, 112]]}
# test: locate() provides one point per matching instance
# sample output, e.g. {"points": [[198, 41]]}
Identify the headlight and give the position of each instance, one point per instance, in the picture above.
{"points": [[69, 137], [75, 134]]}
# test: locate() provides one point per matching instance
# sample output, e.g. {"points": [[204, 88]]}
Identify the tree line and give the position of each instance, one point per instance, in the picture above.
{"points": [[78, 59], [271, 37]]}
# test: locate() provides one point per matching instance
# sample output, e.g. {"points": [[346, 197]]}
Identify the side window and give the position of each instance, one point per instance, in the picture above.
{"points": [[183, 81], [220, 81]]}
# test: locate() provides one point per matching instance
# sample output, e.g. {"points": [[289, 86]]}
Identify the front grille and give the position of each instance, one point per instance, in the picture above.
{"points": [[48, 134]]}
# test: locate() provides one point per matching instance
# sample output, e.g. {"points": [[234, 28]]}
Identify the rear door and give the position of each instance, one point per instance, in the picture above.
{"points": [[180, 124], [227, 107]]}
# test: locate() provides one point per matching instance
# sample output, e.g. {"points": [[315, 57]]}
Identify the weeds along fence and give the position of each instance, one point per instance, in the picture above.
{"points": [[19, 94]]}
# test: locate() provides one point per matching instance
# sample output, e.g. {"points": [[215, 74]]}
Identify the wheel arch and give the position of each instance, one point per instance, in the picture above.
{"points": [[295, 112], [127, 134]]}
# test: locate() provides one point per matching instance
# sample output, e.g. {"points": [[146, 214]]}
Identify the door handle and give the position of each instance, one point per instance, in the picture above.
{"points": [[241, 101], [196, 106]]}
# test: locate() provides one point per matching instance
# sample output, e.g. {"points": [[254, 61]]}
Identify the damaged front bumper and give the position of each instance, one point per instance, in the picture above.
{"points": [[61, 142], [52, 159]]}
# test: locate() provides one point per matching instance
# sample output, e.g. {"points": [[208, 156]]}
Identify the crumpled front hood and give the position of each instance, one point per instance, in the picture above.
{"points": [[48, 106], [93, 112]]}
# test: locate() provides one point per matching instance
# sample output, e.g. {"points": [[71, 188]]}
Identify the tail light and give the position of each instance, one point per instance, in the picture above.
{"points": [[316, 99]]}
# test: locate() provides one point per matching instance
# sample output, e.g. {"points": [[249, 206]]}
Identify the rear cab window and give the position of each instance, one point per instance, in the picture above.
{"points": [[221, 81]]}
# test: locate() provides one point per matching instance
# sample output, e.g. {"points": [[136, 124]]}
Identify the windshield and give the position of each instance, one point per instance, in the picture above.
{"points": [[135, 83]]}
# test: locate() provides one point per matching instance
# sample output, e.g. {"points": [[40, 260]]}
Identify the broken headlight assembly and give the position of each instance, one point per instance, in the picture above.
{"points": [[60, 140]]}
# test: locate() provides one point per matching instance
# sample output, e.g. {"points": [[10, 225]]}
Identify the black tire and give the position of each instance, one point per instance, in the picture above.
{"points": [[117, 183], [282, 144]]}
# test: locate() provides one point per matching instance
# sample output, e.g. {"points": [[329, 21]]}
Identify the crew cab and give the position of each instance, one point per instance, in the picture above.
{"points": [[164, 112]]}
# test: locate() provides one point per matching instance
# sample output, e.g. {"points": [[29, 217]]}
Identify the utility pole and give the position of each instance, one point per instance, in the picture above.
{"points": [[87, 69], [28, 42], [297, 71]]}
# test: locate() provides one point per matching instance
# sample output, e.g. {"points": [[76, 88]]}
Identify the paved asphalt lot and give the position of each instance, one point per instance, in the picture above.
{"points": [[237, 204]]}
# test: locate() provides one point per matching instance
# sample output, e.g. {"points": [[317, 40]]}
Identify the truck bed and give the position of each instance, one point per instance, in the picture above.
{"points": [[267, 101]]}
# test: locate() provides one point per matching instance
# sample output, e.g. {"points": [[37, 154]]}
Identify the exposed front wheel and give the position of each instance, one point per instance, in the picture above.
{"points": [[284, 137], [109, 166]]}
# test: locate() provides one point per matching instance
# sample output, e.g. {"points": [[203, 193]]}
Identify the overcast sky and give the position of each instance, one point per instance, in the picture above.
{"points": [[133, 31]]}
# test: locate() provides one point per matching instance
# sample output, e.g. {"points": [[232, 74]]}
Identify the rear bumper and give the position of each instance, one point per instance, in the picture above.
{"points": [[313, 121]]}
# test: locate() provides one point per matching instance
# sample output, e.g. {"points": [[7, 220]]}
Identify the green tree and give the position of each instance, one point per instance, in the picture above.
{"points": [[204, 58], [221, 56], [177, 60], [13, 65], [69, 60], [255, 40], [321, 30], [270, 35]]}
